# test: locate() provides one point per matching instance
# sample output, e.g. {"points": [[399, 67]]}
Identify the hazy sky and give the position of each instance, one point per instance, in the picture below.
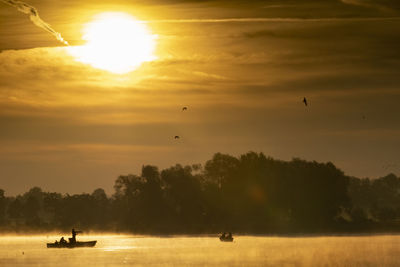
{"points": [[241, 67]]}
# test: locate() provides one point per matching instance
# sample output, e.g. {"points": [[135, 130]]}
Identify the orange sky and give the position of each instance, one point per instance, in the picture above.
{"points": [[242, 69]]}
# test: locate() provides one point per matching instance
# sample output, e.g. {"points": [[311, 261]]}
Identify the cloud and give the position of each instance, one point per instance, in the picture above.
{"points": [[34, 16], [243, 82], [261, 19], [368, 4]]}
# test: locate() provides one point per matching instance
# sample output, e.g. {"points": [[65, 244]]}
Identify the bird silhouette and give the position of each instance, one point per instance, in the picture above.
{"points": [[184, 108], [176, 137], [305, 101]]}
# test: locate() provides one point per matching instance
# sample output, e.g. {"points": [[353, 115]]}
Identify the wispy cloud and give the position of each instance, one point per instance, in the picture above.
{"points": [[34, 16], [242, 79], [256, 20], [368, 4]]}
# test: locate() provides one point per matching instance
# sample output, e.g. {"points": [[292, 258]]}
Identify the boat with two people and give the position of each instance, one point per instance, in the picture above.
{"points": [[72, 243], [226, 237]]}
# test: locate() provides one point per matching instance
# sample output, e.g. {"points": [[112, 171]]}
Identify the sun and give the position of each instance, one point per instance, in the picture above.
{"points": [[115, 42]]}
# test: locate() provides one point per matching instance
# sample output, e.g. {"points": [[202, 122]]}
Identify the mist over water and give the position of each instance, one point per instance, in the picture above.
{"points": [[117, 250]]}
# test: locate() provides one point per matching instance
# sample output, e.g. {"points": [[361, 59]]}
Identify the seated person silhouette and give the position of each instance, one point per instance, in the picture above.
{"points": [[223, 235], [62, 240]]}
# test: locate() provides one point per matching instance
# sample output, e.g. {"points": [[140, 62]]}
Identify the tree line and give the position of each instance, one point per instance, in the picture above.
{"points": [[251, 193]]}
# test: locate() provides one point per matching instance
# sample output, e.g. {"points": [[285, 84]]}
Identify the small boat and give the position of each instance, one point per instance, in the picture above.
{"points": [[77, 244], [226, 237]]}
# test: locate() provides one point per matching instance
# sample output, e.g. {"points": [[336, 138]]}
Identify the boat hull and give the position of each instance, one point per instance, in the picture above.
{"points": [[72, 245], [226, 239]]}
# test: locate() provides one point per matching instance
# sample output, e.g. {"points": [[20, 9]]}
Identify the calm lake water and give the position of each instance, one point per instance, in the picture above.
{"points": [[124, 250]]}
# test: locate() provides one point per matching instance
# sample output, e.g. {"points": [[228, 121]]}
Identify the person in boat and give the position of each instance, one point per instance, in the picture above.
{"points": [[74, 233], [62, 240], [223, 236], [229, 235]]}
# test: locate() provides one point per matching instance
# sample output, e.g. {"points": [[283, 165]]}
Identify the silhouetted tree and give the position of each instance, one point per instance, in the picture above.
{"points": [[251, 193], [183, 196], [386, 198], [14, 211], [217, 175], [100, 208], [360, 193], [53, 208], [3, 206], [128, 193], [152, 199], [32, 207]]}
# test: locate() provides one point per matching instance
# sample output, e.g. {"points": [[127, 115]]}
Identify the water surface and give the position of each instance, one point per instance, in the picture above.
{"points": [[125, 250]]}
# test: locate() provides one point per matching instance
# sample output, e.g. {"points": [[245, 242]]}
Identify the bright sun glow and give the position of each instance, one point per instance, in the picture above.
{"points": [[116, 42]]}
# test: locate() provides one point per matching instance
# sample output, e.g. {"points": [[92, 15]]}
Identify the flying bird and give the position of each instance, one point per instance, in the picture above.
{"points": [[184, 108], [305, 101], [176, 137]]}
